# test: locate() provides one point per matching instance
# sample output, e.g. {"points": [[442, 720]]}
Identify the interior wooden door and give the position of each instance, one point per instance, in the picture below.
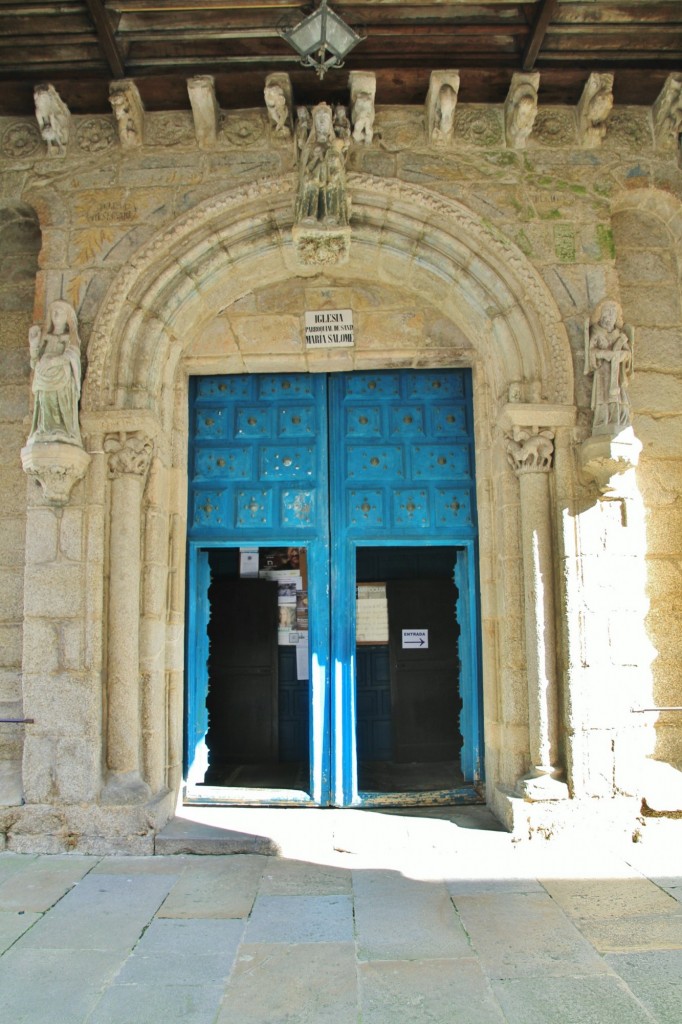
{"points": [[242, 700], [425, 701]]}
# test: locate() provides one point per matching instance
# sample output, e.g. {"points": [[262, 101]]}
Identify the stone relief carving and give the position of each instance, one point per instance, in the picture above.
{"points": [[128, 453], [667, 113], [609, 351], [205, 111], [322, 208], [53, 454], [20, 139], [55, 351], [478, 126], [53, 118], [175, 128], [554, 127], [244, 131], [129, 113], [363, 87], [530, 450], [521, 108], [441, 103], [629, 127], [278, 102], [95, 134], [594, 109]]}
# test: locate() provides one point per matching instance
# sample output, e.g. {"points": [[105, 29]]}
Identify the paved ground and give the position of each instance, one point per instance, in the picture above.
{"points": [[364, 917]]}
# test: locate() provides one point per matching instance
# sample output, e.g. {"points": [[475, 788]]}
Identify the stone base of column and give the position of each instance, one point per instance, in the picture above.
{"points": [[613, 820], [540, 785], [125, 788]]}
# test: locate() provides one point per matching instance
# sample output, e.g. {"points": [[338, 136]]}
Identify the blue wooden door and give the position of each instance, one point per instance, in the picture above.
{"points": [[395, 452]]}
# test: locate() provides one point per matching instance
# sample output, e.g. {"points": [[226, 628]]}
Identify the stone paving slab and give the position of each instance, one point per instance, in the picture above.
{"points": [[313, 983], [625, 934], [154, 1004], [42, 881], [608, 898], [215, 887], [655, 978], [12, 925], [398, 918], [283, 877], [296, 919], [426, 991], [579, 1000], [525, 934]]}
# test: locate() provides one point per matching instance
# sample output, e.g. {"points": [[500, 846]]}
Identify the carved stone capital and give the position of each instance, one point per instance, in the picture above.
{"points": [[56, 466], [129, 454], [530, 450]]}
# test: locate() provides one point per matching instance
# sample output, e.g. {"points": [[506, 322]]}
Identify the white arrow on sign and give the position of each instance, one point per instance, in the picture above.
{"points": [[418, 638]]}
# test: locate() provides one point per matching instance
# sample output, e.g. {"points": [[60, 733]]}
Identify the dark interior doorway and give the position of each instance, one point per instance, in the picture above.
{"points": [[408, 698], [258, 697]]}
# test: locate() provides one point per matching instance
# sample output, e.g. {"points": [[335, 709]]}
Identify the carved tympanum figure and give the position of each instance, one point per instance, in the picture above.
{"points": [[55, 351], [609, 357], [278, 109], [321, 198]]}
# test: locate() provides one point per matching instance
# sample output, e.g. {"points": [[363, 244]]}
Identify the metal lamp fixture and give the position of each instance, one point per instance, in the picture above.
{"points": [[322, 32]]}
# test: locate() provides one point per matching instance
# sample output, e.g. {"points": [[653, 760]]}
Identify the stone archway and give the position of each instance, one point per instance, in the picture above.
{"points": [[134, 413]]}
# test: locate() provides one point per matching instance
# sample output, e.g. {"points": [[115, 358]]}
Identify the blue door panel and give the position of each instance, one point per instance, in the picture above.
{"points": [[398, 462]]}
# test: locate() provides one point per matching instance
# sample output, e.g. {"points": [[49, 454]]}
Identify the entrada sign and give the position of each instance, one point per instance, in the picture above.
{"points": [[327, 328]]}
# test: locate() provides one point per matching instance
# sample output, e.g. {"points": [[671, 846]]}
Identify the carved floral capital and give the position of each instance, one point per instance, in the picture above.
{"points": [[129, 454]]}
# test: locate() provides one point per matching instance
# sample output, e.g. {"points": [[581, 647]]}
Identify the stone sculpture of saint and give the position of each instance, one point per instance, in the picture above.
{"points": [[321, 199], [55, 351], [609, 357]]}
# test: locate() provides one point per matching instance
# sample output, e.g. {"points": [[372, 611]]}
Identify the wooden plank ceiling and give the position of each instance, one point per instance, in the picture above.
{"points": [[81, 45]]}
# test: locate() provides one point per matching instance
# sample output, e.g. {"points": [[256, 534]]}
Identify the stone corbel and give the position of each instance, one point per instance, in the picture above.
{"points": [[667, 113], [363, 87], [603, 460], [594, 109], [53, 118], [56, 466], [126, 104], [521, 108], [279, 103], [205, 110], [441, 102]]}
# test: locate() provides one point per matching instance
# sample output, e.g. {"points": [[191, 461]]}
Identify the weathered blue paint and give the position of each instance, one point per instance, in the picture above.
{"points": [[400, 472]]}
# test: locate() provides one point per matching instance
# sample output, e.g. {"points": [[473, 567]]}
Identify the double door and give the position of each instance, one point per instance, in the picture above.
{"points": [[332, 652]]}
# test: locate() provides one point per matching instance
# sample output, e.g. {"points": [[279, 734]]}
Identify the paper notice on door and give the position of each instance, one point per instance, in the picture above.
{"points": [[248, 561], [302, 670], [371, 614]]}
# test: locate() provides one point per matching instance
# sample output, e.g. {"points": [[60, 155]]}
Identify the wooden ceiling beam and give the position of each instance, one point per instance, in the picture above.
{"points": [[538, 33], [106, 39]]}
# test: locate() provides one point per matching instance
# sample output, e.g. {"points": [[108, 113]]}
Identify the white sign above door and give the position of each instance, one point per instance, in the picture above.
{"points": [[329, 328]]}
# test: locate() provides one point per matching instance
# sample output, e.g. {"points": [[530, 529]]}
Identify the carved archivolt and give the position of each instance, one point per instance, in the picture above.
{"points": [[159, 273]]}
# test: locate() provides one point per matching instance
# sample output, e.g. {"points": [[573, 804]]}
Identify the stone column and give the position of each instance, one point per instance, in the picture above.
{"points": [[530, 452], [129, 456]]}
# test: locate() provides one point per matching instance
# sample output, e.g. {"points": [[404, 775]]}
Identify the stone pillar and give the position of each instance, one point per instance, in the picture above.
{"points": [[530, 451], [129, 456]]}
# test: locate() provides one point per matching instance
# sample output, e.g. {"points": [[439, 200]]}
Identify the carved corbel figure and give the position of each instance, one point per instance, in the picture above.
{"points": [[205, 111], [441, 102], [363, 87], [521, 108], [594, 108], [278, 101], [53, 117], [667, 113], [129, 112], [54, 452], [609, 354]]}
